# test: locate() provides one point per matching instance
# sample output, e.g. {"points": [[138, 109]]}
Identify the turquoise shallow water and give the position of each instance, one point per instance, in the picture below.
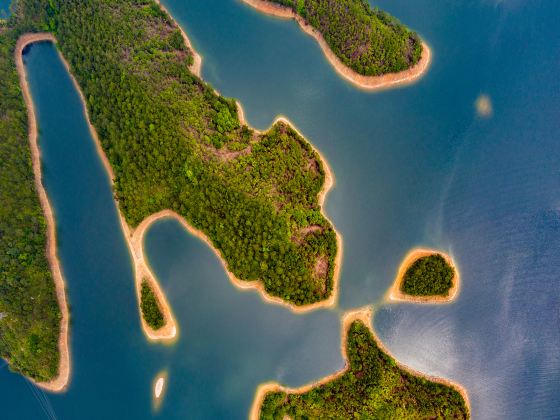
{"points": [[414, 166]]}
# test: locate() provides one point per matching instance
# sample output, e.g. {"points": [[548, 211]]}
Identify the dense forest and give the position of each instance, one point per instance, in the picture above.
{"points": [[176, 144], [428, 276], [369, 41], [372, 387], [151, 311], [29, 313]]}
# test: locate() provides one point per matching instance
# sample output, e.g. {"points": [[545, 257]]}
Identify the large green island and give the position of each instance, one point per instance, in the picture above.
{"points": [[173, 143]]}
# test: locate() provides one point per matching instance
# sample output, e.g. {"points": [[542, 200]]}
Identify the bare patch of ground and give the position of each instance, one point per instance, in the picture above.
{"points": [[299, 236]]}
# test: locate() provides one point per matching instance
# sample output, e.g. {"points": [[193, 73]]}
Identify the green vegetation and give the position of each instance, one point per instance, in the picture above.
{"points": [[373, 387], [151, 310], [371, 42], [175, 144], [29, 312], [428, 276]]}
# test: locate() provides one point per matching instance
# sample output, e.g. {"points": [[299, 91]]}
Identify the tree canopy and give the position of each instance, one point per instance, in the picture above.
{"points": [[173, 143], [428, 276], [151, 311]]}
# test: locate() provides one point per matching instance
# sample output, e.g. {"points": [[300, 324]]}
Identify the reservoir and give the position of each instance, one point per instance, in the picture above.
{"points": [[414, 166]]}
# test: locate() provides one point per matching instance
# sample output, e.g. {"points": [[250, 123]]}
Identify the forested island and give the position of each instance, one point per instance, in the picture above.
{"points": [[373, 385], [426, 276], [367, 46]]}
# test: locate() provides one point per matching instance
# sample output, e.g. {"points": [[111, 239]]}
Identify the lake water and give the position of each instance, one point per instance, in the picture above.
{"points": [[4, 8], [414, 166]]}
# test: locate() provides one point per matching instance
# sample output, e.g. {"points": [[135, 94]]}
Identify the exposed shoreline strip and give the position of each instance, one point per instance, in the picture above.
{"points": [[395, 294], [384, 81], [364, 315], [59, 383]]}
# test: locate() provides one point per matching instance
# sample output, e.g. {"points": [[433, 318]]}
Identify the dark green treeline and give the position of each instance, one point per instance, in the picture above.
{"points": [[428, 276]]}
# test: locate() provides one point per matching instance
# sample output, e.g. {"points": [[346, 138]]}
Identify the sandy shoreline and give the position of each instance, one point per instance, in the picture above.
{"points": [[59, 383], [396, 295], [196, 66], [364, 315], [385, 81]]}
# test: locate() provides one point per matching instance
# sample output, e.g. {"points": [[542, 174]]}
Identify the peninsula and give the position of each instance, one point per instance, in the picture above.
{"points": [[426, 276], [369, 48], [372, 385]]}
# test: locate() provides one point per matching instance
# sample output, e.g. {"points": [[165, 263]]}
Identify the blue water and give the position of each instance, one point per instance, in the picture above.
{"points": [[4, 8], [414, 166]]}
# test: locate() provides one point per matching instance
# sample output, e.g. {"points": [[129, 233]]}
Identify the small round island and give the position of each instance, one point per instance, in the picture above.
{"points": [[426, 276]]}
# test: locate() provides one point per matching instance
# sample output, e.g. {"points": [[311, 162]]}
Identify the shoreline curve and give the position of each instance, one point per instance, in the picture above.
{"points": [[394, 294], [384, 81], [363, 314], [59, 383]]}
